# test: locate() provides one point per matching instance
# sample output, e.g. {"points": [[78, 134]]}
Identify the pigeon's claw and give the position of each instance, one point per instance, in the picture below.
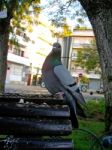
{"points": [[60, 95]]}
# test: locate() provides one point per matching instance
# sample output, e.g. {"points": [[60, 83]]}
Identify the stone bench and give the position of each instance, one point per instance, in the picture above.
{"points": [[31, 123]]}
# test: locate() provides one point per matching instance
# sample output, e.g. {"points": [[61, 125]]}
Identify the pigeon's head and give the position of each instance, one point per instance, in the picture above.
{"points": [[56, 49]]}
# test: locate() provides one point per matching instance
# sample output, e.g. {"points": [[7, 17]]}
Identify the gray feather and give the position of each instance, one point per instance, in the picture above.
{"points": [[66, 80], [63, 75]]}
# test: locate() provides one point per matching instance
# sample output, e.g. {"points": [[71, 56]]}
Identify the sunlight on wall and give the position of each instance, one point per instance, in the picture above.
{"points": [[42, 36]]}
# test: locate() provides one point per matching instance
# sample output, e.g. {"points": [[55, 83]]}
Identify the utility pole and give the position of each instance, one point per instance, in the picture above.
{"points": [[66, 51]]}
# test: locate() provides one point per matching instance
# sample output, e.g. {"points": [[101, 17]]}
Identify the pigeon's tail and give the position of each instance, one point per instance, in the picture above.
{"points": [[79, 111], [73, 116], [72, 107], [78, 99]]}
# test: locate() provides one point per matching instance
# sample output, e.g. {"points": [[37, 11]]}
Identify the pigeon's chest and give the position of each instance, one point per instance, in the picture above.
{"points": [[51, 64]]}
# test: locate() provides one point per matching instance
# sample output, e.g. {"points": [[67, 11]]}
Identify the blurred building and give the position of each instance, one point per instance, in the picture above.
{"points": [[81, 39], [27, 52], [26, 56]]}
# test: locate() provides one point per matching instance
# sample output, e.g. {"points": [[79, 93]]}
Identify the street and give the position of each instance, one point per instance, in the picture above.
{"points": [[24, 89], [94, 96]]}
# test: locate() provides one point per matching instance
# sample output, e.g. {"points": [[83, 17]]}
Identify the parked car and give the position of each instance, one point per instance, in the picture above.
{"points": [[42, 84], [83, 87], [100, 91]]}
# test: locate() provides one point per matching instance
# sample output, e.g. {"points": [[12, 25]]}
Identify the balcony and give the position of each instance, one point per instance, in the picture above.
{"points": [[18, 59], [84, 33], [81, 45]]}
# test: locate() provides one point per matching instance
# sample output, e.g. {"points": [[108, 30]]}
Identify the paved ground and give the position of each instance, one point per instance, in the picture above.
{"points": [[24, 89]]}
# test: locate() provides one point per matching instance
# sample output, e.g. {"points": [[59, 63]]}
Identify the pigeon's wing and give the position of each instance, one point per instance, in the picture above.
{"points": [[63, 75], [68, 82], [51, 82], [70, 89]]}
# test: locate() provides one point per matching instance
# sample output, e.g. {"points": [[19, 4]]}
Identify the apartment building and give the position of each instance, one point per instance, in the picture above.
{"points": [[25, 58], [25, 61], [18, 60], [80, 39]]}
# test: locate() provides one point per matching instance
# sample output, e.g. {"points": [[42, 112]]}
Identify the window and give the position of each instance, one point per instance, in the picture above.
{"points": [[74, 55], [22, 54], [18, 52]]}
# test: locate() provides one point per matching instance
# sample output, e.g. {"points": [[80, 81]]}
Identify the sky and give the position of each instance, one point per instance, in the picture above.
{"points": [[70, 22]]}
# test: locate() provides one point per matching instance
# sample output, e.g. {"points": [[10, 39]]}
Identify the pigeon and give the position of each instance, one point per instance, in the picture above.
{"points": [[58, 79]]}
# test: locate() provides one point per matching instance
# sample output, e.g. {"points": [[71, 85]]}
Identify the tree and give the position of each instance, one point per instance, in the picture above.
{"points": [[88, 58], [100, 16], [63, 31], [16, 11], [99, 13]]}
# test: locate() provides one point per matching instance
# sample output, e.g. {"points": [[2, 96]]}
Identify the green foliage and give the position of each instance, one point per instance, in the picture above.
{"points": [[19, 10], [22, 15], [60, 10], [88, 58], [83, 137], [84, 80], [81, 28], [66, 31], [95, 109]]}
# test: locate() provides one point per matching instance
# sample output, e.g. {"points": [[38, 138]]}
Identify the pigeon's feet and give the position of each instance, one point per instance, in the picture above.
{"points": [[60, 95]]}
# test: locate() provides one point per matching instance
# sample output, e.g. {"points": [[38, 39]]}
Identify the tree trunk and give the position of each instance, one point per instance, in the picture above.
{"points": [[4, 36], [100, 16]]}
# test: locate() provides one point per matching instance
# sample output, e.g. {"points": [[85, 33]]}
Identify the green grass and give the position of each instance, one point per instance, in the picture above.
{"points": [[95, 109], [90, 128]]}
